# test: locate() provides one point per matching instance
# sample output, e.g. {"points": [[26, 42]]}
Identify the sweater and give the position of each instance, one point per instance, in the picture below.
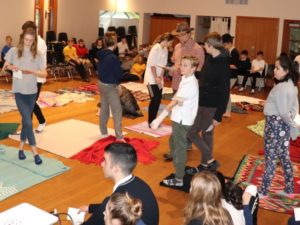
{"points": [[109, 67], [137, 188], [214, 84], [234, 58], [283, 101]]}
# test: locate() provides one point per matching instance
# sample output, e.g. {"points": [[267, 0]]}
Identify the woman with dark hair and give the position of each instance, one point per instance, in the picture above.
{"points": [[154, 74], [96, 47], [27, 64], [204, 204], [122, 209], [280, 109]]}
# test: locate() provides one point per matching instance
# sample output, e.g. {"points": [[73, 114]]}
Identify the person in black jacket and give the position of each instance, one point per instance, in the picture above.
{"points": [[244, 68], [119, 161], [109, 74], [214, 85], [234, 58]]}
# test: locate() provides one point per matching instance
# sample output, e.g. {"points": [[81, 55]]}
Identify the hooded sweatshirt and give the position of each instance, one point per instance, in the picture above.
{"points": [[214, 84], [109, 67]]}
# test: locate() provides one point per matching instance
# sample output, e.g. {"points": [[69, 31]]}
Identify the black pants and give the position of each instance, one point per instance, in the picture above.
{"points": [[254, 76], [37, 110], [129, 77], [154, 102], [79, 68]]}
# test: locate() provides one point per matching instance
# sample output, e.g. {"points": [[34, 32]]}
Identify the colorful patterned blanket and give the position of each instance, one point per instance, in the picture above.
{"points": [[250, 171]]}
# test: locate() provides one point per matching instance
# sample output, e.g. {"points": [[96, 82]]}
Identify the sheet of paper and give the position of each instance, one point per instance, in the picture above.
{"points": [[297, 214], [18, 74], [78, 218]]}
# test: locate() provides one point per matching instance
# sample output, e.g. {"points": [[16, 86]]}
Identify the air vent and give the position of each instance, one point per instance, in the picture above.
{"points": [[237, 2]]}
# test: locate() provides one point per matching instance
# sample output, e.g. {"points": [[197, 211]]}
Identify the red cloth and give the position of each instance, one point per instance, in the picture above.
{"points": [[294, 150], [94, 153]]}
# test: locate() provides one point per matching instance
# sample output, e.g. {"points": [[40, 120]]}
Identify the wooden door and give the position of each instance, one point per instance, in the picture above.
{"points": [[257, 34], [162, 24], [291, 37]]}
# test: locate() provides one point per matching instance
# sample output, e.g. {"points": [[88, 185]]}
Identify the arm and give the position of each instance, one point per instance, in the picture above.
{"points": [[38, 73]]}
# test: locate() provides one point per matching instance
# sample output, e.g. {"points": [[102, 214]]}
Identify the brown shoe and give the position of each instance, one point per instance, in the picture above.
{"points": [[168, 157]]}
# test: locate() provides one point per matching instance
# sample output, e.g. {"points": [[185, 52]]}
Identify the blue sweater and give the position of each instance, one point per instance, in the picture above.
{"points": [[109, 67]]}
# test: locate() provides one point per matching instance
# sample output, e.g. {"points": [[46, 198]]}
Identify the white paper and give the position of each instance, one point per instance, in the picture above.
{"points": [[78, 218], [297, 214], [18, 74]]}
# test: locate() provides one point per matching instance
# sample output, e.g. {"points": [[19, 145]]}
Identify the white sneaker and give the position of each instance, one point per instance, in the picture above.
{"points": [[252, 91], [40, 127], [241, 89]]}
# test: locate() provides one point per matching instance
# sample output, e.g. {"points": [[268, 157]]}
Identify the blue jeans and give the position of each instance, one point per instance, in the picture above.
{"points": [[25, 104]]}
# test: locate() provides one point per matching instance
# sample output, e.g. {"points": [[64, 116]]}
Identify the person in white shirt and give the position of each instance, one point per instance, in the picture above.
{"points": [[42, 48], [257, 67], [123, 47], [154, 74], [184, 107]]}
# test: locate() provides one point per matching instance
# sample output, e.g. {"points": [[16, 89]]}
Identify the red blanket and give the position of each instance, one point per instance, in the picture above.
{"points": [[294, 150], [94, 153]]}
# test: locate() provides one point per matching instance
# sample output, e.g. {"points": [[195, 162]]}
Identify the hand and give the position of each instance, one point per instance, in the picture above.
{"points": [[157, 80], [83, 208], [13, 68], [27, 71], [215, 123], [120, 90], [246, 198]]}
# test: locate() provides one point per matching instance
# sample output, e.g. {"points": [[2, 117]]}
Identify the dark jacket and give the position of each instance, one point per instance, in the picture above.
{"points": [[244, 67], [109, 67], [137, 188], [234, 58], [214, 84]]}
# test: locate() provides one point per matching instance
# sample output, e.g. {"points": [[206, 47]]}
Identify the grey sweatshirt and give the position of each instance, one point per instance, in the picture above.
{"points": [[283, 101]]}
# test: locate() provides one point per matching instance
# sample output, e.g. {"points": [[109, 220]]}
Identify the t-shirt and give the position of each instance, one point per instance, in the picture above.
{"points": [[122, 48], [26, 85], [158, 57], [258, 64], [5, 49], [188, 92]]}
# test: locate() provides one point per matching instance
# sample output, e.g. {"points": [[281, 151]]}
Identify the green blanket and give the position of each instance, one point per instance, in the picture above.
{"points": [[258, 128], [17, 175], [7, 128]]}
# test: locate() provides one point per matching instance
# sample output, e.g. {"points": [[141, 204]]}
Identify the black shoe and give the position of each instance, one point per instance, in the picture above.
{"points": [[22, 155], [37, 160], [168, 157], [194, 170], [214, 165], [86, 79]]}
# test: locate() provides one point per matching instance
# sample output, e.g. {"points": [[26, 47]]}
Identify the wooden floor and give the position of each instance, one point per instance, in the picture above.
{"points": [[85, 184]]}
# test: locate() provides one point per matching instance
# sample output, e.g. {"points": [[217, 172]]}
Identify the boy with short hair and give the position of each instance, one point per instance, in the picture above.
{"points": [[5, 49], [244, 68], [183, 108]]}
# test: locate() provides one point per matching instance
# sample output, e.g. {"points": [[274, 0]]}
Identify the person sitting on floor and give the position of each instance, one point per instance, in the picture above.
{"points": [[204, 203], [72, 58], [5, 49], [122, 209], [137, 69], [123, 47], [257, 67], [242, 207], [184, 106], [120, 160]]}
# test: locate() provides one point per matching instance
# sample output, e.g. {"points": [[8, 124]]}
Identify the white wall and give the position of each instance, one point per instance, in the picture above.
{"points": [[13, 14], [288, 9]]}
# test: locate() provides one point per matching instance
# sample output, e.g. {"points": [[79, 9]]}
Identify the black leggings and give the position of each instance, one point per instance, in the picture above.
{"points": [[154, 102]]}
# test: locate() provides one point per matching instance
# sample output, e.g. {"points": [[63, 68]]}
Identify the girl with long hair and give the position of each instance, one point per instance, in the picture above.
{"points": [[154, 74], [204, 205], [122, 209], [27, 64], [280, 109]]}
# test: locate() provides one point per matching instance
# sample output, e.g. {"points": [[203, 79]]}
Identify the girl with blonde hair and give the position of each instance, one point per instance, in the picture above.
{"points": [[204, 205], [122, 209]]}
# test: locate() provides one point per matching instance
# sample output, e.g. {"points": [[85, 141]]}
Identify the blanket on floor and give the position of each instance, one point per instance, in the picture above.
{"points": [[94, 153], [250, 171], [17, 175]]}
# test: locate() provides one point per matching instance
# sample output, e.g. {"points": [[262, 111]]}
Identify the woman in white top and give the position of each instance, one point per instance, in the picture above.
{"points": [[154, 74]]}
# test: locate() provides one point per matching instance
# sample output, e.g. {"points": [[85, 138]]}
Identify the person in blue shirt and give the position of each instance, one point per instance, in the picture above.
{"points": [[5, 49]]}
